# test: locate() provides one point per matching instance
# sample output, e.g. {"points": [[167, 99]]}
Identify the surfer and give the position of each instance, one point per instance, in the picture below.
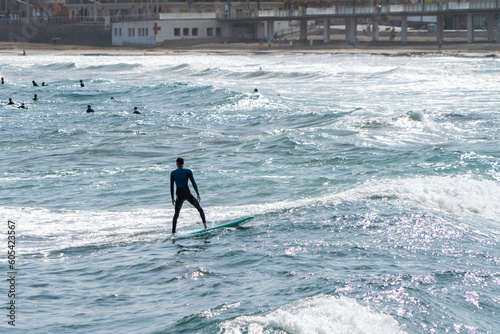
{"points": [[180, 177], [34, 83], [35, 98], [89, 109], [3, 82], [10, 101], [82, 84], [136, 111], [22, 106]]}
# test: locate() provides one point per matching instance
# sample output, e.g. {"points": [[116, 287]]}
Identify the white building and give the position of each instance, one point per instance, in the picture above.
{"points": [[180, 26], [168, 28]]}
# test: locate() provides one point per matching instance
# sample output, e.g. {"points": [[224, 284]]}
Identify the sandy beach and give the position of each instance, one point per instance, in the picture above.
{"points": [[418, 44]]}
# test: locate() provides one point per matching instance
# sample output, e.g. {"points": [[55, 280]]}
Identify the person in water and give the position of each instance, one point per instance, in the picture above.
{"points": [[3, 81], [82, 84], [10, 101], [34, 83], [35, 98], [89, 109], [22, 106], [44, 84], [180, 177], [136, 111]]}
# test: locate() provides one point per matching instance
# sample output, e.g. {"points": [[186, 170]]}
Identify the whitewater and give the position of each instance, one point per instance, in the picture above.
{"points": [[374, 182]]}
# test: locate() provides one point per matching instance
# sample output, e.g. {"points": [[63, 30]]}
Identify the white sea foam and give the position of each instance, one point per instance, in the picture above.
{"points": [[62, 229], [321, 314], [459, 195]]}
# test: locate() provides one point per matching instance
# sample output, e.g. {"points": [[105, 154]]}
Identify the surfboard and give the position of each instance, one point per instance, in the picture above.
{"points": [[231, 224]]}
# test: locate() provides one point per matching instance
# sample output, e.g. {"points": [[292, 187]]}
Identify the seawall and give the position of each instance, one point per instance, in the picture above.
{"points": [[40, 32]]}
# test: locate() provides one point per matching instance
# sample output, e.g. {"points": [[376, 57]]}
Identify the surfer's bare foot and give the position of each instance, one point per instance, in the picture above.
{"points": [[205, 226]]}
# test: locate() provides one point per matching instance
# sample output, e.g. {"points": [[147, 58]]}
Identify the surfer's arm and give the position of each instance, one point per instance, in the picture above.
{"points": [[172, 181], [193, 182]]}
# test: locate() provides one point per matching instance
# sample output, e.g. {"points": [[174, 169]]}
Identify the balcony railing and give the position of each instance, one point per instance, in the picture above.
{"points": [[313, 13]]}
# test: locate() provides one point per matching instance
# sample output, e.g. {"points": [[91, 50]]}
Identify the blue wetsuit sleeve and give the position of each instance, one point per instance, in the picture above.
{"points": [[193, 182], [172, 181]]}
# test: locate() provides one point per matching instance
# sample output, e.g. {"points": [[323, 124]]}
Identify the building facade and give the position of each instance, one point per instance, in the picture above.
{"points": [[171, 27]]}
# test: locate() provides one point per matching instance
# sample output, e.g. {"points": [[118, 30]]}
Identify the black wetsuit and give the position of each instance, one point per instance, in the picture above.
{"points": [[180, 177]]}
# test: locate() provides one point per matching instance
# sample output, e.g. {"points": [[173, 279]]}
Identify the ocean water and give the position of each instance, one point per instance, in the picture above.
{"points": [[374, 183]]}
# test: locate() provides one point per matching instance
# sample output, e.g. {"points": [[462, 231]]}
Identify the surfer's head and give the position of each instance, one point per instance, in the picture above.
{"points": [[180, 162]]}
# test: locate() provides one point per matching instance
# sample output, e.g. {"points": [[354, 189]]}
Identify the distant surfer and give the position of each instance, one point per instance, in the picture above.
{"points": [[34, 83], [44, 84], [89, 109], [136, 111], [180, 177], [22, 106], [35, 98], [3, 82], [82, 84], [10, 101]]}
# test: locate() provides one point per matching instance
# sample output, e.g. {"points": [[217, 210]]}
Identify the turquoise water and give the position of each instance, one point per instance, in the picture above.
{"points": [[373, 180]]}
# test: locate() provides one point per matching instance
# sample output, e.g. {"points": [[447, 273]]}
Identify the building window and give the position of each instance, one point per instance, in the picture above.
{"points": [[210, 31], [146, 30], [177, 31], [116, 31], [185, 31], [120, 32], [129, 32], [194, 32]]}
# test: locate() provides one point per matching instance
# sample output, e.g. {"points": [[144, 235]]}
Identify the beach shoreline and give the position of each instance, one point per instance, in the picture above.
{"points": [[419, 47]]}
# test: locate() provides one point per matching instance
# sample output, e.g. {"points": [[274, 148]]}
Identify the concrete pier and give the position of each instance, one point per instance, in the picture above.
{"points": [[470, 28], [303, 30], [351, 15], [404, 29], [326, 31]]}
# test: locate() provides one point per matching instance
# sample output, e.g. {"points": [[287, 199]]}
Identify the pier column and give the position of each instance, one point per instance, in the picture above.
{"points": [[260, 32], [404, 29], [303, 30], [490, 25], [351, 30], [347, 27], [326, 31], [470, 28], [498, 32], [440, 28], [375, 29], [270, 30]]}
